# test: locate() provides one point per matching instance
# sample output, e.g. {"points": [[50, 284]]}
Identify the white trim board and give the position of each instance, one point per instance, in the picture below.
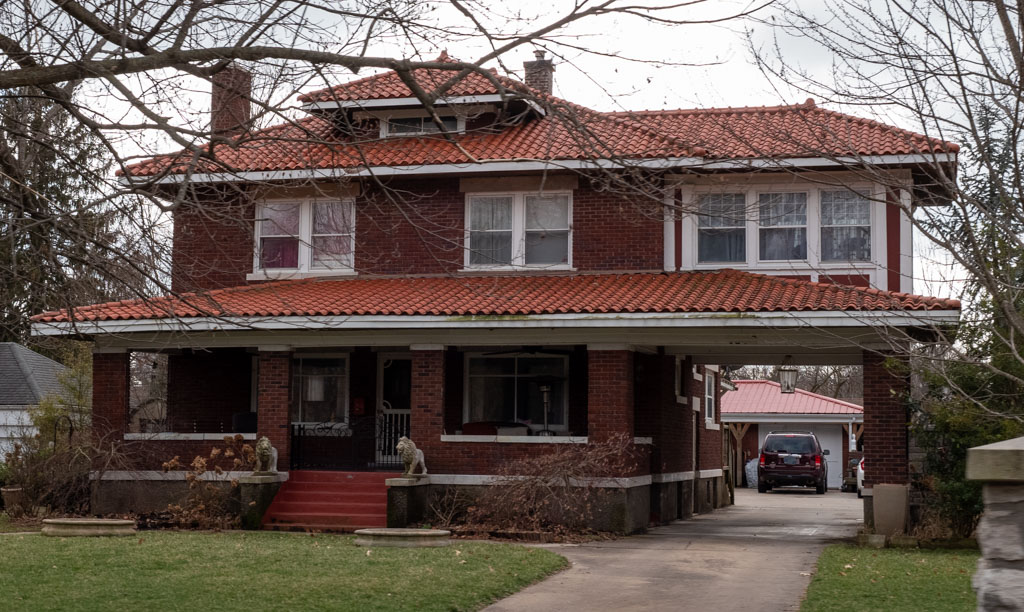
{"points": [[672, 477], [393, 102], [533, 165], [621, 320]]}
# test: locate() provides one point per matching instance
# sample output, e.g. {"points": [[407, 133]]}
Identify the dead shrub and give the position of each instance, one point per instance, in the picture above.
{"points": [[212, 500], [553, 491], [448, 506]]}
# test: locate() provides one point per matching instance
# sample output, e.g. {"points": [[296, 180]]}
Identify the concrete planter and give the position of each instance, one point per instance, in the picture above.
{"points": [[402, 538], [88, 527]]}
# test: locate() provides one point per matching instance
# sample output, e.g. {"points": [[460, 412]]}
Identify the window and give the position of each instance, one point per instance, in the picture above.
{"points": [[519, 230], [512, 389], [845, 226], [319, 390], [783, 226], [710, 396], [721, 228], [306, 235], [411, 126]]}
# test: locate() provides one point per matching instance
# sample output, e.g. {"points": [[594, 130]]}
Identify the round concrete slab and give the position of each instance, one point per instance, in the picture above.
{"points": [[396, 537], [88, 527]]}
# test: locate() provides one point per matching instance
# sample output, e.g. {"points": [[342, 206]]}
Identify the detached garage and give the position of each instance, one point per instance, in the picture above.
{"points": [[757, 407]]}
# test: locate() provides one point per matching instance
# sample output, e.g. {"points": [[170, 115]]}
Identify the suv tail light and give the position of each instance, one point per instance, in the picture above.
{"points": [[762, 459], [817, 461], [862, 464]]}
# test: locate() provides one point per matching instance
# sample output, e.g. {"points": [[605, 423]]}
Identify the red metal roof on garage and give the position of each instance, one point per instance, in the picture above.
{"points": [[764, 397]]}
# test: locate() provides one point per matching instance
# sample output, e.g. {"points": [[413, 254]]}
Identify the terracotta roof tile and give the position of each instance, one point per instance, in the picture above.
{"points": [[726, 291], [764, 397]]}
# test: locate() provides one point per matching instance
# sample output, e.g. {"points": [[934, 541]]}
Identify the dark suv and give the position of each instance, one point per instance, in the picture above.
{"points": [[792, 458]]}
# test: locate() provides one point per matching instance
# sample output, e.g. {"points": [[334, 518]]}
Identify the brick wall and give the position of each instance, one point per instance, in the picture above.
{"points": [[610, 394], [885, 422], [415, 228], [273, 395], [109, 396], [206, 388]]}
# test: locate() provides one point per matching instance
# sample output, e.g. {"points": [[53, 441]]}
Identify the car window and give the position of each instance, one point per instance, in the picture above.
{"points": [[786, 444]]}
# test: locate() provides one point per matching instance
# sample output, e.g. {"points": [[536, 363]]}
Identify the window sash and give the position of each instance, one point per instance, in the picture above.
{"points": [[411, 126], [721, 228], [304, 250], [534, 231], [709, 395], [501, 388], [319, 390], [782, 232], [845, 226]]}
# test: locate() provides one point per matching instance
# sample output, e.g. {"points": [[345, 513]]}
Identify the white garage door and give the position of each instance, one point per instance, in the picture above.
{"points": [[830, 436]]}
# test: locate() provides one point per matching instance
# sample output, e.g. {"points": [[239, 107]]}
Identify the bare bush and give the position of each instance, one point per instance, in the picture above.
{"points": [[212, 502], [556, 491]]}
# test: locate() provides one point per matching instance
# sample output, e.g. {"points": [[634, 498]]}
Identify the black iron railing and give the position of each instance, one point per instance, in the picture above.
{"points": [[363, 443]]}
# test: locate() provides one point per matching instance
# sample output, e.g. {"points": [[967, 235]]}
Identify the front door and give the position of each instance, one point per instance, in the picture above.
{"points": [[394, 405]]}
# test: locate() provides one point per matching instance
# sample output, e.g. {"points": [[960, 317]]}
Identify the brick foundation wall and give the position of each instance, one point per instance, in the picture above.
{"points": [[273, 396], [109, 396], [885, 423], [206, 388]]}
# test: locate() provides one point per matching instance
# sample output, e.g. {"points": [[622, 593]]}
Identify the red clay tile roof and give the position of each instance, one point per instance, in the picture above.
{"points": [[764, 397], [690, 292], [571, 132]]}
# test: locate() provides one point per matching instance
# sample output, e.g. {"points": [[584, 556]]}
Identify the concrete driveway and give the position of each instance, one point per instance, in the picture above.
{"points": [[756, 555]]}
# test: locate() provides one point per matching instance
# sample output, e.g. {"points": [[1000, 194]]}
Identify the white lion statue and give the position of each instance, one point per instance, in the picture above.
{"points": [[411, 456], [266, 456]]}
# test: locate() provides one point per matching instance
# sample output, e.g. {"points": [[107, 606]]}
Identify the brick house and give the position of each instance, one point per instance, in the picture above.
{"points": [[538, 274]]}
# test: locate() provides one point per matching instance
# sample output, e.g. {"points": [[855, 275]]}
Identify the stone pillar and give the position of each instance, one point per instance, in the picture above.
{"points": [[999, 581], [272, 402], [110, 388], [609, 392], [426, 423]]}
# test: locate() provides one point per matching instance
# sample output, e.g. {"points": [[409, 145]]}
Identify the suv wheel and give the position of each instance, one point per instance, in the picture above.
{"points": [[762, 487], [821, 488]]}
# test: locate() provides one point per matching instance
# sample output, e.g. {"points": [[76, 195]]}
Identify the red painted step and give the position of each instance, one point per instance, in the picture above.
{"points": [[329, 501]]}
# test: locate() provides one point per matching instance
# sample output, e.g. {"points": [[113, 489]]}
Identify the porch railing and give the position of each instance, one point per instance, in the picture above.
{"points": [[363, 443]]}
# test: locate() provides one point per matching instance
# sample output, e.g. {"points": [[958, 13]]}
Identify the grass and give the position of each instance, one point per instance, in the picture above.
{"points": [[892, 579], [7, 525], [258, 571]]}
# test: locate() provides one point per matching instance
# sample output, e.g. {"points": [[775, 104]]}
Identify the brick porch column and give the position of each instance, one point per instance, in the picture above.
{"points": [[426, 423], [273, 390], [886, 420], [609, 391], [110, 385]]}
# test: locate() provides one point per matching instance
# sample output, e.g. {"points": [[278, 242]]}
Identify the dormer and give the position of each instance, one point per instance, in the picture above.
{"points": [[383, 105]]}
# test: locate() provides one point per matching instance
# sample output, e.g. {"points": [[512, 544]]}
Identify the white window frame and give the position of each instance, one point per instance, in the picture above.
{"points": [[383, 118], [875, 269], [806, 226], [533, 426], [305, 267], [744, 226], [348, 385], [710, 398], [518, 232], [871, 228]]}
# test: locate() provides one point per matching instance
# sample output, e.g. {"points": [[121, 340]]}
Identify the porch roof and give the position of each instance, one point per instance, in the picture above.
{"points": [[729, 292]]}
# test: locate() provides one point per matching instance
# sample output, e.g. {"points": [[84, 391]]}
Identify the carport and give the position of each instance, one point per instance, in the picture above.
{"points": [[757, 407]]}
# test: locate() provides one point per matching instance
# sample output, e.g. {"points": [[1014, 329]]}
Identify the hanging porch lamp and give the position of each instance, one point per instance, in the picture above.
{"points": [[787, 376]]}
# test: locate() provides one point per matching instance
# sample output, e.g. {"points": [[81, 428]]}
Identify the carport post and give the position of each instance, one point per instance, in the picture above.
{"points": [[886, 456]]}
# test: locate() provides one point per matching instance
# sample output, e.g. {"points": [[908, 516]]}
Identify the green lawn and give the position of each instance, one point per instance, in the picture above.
{"points": [[258, 571], [892, 579]]}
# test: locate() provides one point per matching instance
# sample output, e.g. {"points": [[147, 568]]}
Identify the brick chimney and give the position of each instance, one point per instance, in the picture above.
{"points": [[540, 73], [231, 103]]}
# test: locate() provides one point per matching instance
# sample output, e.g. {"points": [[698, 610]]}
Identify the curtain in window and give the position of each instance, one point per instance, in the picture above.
{"points": [[721, 228], [845, 226], [279, 236], [509, 389], [319, 389], [332, 235], [783, 226], [490, 230]]}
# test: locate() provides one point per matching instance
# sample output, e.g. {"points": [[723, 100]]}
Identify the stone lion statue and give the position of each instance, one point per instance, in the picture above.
{"points": [[411, 456], [266, 456]]}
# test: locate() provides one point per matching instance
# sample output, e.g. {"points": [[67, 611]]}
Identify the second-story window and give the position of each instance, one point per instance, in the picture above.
{"points": [[721, 228], [305, 236], [845, 226], [783, 226], [519, 230]]}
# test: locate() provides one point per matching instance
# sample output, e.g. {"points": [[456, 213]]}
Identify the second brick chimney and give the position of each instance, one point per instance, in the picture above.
{"points": [[231, 103], [540, 73]]}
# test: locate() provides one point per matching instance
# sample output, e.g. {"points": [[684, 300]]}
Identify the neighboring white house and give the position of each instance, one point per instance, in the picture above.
{"points": [[26, 377], [757, 407]]}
